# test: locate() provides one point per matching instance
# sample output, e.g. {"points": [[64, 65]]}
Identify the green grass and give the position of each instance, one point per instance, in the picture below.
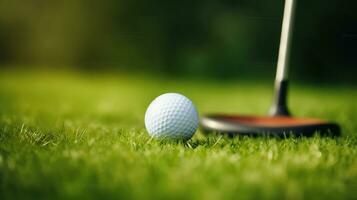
{"points": [[67, 135]]}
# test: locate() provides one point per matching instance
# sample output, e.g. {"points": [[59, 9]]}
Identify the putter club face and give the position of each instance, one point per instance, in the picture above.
{"points": [[280, 126]]}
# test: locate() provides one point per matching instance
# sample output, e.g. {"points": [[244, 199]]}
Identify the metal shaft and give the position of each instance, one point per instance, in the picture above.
{"points": [[279, 107], [285, 41]]}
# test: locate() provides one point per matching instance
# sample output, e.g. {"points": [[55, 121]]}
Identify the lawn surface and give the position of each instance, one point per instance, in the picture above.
{"points": [[71, 135]]}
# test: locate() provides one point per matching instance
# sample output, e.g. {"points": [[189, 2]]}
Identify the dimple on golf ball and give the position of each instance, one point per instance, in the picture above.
{"points": [[171, 116]]}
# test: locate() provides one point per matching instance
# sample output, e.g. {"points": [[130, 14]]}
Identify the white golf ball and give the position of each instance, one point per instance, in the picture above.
{"points": [[171, 116]]}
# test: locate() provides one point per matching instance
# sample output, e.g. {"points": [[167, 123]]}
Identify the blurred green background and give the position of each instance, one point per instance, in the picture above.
{"points": [[227, 39]]}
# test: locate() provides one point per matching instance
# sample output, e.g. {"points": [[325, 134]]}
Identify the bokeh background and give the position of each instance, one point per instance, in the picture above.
{"points": [[227, 39]]}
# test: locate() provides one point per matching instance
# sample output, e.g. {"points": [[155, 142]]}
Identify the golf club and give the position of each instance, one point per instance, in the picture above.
{"points": [[279, 122]]}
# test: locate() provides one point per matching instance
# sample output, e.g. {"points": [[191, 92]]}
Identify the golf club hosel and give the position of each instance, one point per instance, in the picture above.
{"points": [[279, 107]]}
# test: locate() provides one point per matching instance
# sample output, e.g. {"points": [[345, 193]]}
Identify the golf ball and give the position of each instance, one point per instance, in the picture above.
{"points": [[171, 116]]}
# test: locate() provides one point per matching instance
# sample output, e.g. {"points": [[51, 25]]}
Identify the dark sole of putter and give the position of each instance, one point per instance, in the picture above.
{"points": [[232, 125]]}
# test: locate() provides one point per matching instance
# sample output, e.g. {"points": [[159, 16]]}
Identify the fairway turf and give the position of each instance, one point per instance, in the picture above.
{"points": [[66, 135]]}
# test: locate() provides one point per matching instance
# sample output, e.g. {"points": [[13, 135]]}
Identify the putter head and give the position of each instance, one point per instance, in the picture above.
{"points": [[280, 126]]}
